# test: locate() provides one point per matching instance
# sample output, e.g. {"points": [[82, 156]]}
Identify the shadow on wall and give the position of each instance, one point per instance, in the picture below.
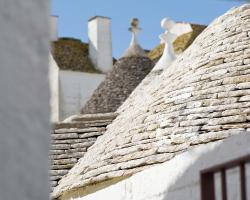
{"points": [[93, 54], [185, 180]]}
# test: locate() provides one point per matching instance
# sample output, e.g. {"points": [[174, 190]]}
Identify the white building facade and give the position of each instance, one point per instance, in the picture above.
{"points": [[180, 179], [70, 90], [75, 88]]}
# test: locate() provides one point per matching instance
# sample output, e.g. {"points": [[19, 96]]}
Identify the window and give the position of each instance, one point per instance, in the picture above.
{"points": [[208, 179]]}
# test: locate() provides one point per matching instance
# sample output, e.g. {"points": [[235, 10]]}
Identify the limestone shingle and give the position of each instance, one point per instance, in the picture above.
{"points": [[127, 73], [72, 139]]}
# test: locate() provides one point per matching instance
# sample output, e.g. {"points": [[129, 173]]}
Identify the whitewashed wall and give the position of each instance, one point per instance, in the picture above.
{"points": [[181, 28], [24, 104], [179, 178], [54, 89], [75, 88]]}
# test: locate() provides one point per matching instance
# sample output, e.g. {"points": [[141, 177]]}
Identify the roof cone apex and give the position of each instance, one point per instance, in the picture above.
{"points": [[134, 48], [168, 37]]}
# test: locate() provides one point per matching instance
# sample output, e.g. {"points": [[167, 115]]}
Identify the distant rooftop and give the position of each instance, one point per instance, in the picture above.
{"points": [[127, 73], [72, 54], [97, 16]]}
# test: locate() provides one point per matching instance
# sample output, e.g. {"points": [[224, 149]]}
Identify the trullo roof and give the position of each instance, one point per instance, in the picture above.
{"points": [[202, 97]]}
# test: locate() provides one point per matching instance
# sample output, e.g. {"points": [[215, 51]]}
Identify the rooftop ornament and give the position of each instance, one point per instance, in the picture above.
{"points": [[134, 48], [168, 38]]}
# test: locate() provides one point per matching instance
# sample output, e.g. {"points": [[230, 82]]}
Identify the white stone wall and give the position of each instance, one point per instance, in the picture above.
{"points": [[179, 178], [54, 89], [75, 89], [24, 105], [100, 43], [181, 28]]}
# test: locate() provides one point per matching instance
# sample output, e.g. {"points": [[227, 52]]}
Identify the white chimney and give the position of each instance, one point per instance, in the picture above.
{"points": [[100, 43], [53, 28]]}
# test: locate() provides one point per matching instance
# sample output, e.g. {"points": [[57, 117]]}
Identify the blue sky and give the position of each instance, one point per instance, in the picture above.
{"points": [[74, 14]]}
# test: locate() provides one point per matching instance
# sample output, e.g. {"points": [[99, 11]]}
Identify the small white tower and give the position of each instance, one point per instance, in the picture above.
{"points": [[100, 43], [53, 28]]}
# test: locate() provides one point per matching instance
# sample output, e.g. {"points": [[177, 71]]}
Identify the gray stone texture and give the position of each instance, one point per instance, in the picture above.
{"points": [[24, 104], [120, 82], [72, 139], [201, 98]]}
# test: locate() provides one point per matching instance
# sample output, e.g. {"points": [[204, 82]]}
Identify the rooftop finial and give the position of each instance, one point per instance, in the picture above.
{"points": [[134, 23], [168, 38], [167, 24], [134, 48], [135, 30]]}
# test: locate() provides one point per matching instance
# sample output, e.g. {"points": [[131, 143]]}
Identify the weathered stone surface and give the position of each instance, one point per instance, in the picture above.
{"points": [[95, 118], [91, 134], [53, 183], [79, 130], [64, 136], [58, 172], [53, 178], [202, 97], [60, 146], [71, 140], [82, 145], [64, 161], [245, 98], [127, 73], [62, 167], [56, 152]]}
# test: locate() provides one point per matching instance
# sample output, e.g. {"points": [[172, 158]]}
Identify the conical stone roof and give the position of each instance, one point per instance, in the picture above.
{"points": [[204, 96], [126, 74], [71, 140]]}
